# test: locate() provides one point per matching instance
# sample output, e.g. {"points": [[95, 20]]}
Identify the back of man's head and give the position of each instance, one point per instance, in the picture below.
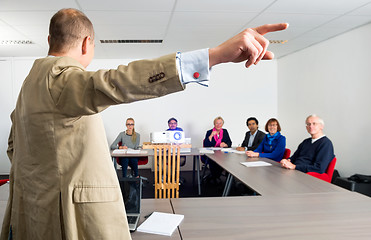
{"points": [[67, 27]]}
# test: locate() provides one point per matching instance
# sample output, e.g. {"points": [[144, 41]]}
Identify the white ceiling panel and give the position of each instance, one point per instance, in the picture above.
{"points": [[129, 18], [223, 5], [36, 5], [182, 24], [316, 6], [211, 18], [27, 18], [133, 5]]}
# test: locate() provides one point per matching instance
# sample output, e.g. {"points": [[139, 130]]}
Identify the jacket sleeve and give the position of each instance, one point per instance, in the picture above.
{"points": [[245, 142], [207, 143], [226, 139], [278, 150], [260, 148], [77, 92], [10, 149], [115, 143], [137, 142]]}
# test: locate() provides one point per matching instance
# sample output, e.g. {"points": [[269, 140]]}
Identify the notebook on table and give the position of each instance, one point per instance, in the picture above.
{"points": [[131, 189]]}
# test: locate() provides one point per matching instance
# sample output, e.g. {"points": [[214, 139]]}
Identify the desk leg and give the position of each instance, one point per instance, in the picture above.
{"points": [[198, 174], [114, 164], [228, 184], [196, 163]]}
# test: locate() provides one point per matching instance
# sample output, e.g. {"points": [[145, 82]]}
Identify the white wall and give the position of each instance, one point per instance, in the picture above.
{"points": [[331, 79], [235, 93]]}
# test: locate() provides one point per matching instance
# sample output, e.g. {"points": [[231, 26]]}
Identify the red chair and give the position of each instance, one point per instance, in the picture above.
{"points": [[327, 176], [286, 154], [141, 160], [3, 181]]}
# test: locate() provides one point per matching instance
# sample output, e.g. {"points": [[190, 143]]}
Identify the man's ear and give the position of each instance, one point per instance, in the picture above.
{"points": [[84, 46]]}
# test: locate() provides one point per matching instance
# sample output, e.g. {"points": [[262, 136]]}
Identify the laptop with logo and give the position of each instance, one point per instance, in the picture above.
{"points": [[131, 189]]}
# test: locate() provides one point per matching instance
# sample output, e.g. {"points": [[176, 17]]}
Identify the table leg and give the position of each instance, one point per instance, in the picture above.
{"points": [[228, 184], [196, 163]]}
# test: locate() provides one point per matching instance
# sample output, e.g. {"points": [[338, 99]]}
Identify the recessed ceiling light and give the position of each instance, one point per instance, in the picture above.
{"points": [[15, 42], [131, 41], [278, 41]]}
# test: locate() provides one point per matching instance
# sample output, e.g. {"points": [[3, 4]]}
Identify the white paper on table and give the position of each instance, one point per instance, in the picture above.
{"points": [[227, 150], [161, 223], [134, 151], [119, 151], [206, 150], [256, 164], [239, 152]]}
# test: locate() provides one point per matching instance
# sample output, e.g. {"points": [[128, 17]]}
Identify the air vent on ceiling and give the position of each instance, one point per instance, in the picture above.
{"points": [[15, 42], [131, 41], [278, 41]]}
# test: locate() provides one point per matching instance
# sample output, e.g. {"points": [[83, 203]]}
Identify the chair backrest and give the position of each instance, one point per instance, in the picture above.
{"points": [[330, 169], [167, 170], [286, 154], [326, 176]]}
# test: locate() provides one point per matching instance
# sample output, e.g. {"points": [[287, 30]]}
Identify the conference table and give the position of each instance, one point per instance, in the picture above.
{"points": [[194, 152], [332, 215], [268, 180]]}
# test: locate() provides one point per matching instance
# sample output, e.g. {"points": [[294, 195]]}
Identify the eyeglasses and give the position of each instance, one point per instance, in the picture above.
{"points": [[130, 124]]}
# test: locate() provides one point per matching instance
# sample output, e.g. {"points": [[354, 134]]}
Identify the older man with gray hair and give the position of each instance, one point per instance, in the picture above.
{"points": [[313, 154]]}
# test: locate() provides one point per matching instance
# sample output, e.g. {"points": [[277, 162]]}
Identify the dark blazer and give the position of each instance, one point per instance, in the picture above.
{"points": [[257, 140], [226, 139]]}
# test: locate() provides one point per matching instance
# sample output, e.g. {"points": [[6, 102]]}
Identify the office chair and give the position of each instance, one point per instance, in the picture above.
{"points": [[167, 170], [141, 161], [286, 154], [3, 181], [327, 176]]}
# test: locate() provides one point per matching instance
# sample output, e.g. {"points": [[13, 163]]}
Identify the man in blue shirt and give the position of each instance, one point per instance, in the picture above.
{"points": [[313, 154], [173, 125]]}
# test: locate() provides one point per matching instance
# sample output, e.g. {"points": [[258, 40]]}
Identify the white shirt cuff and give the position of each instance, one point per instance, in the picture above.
{"points": [[193, 67]]}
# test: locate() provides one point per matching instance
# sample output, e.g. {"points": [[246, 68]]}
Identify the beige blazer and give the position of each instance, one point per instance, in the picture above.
{"points": [[62, 181]]}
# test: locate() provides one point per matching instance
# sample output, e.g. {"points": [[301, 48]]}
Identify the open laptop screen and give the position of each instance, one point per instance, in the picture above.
{"points": [[131, 189]]}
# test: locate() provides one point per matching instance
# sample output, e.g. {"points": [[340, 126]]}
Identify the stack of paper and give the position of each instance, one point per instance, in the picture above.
{"points": [[206, 151], [119, 151], [256, 164], [161, 223]]}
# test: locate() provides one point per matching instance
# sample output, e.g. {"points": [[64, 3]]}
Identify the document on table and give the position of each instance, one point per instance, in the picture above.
{"points": [[119, 151], [134, 151], [206, 150], [256, 164], [161, 223]]}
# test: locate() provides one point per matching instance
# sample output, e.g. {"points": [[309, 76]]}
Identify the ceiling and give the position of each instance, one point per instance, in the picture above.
{"points": [[183, 25]]}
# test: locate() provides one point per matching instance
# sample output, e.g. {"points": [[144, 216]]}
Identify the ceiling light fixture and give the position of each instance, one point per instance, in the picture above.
{"points": [[278, 41], [15, 42]]}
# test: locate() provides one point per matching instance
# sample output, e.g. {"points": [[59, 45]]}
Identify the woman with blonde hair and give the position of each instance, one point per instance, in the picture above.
{"points": [[125, 140], [216, 137]]}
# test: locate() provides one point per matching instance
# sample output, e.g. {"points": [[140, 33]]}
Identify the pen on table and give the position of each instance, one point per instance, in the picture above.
{"points": [[147, 216]]}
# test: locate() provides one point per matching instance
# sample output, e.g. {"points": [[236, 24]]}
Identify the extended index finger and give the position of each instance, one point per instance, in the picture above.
{"points": [[266, 28]]}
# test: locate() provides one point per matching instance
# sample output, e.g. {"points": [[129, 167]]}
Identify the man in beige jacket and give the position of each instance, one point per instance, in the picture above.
{"points": [[62, 181]]}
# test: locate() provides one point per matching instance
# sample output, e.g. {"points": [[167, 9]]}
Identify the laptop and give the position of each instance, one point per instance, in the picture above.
{"points": [[131, 189]]}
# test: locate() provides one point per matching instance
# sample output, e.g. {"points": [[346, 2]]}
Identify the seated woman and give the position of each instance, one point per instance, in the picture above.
{"points": [[273, 145], [217, 137], [128, 139]]}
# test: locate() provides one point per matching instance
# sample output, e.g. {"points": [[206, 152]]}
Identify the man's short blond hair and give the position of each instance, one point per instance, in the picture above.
{"points": [[67, 27]]}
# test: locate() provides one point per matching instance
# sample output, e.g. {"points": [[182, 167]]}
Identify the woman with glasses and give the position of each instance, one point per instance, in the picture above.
{"points": [[273, 145], [125, 140]]}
